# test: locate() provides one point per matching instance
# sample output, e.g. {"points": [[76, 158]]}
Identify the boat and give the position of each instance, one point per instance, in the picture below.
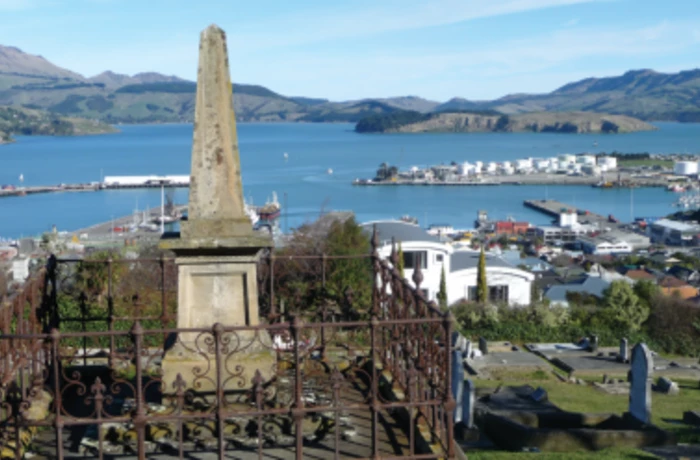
{"points": [[330, 171], [251, 213], [409, 219], [271, 210]]}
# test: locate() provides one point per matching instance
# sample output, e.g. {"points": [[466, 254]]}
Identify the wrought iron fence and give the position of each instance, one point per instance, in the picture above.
{"points": [[90, 354]]}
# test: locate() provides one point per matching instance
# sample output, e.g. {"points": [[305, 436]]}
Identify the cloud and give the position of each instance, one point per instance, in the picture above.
{"points": [[537, 64], [390, 16]]}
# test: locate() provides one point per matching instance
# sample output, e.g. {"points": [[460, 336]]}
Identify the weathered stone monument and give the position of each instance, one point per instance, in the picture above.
{"points": [[640, 385], [217, 251]]}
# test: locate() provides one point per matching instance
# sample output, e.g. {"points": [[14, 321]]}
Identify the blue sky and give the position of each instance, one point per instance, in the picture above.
{"points": [[349, 49]]}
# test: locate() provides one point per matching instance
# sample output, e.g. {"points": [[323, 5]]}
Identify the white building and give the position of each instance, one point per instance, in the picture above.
{"points": [[685, 168], [491, 167], [133, 181], [607, 163], [506, 283], [603, 245], [568, 219]]}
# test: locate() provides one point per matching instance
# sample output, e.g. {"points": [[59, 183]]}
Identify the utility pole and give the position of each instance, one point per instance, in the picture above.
{"points": [[162, 208], [286, 214]]}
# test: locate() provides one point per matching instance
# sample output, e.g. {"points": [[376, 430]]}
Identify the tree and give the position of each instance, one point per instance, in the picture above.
{"points": [[442, 294], [400, 262], [646, 291], [624, 306], [482, 289]]}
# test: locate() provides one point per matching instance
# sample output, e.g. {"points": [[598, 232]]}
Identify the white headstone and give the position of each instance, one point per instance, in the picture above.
{"points": [[468, 401], [640, 386]]}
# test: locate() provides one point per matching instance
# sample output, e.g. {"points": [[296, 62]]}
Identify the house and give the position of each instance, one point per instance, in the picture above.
{"points": [[672, 286], [688, 275], [590, 285], [638, 274], [506, 282]]}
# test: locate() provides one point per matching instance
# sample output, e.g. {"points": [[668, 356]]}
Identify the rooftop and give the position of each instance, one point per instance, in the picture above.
{"points": [[400, 231], [675, 225], [464, 260]]}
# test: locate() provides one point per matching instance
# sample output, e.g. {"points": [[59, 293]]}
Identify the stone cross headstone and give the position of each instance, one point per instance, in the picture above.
{"points": [[640, 387], [217, 251], [483, 346], [624, 355], [468, 401], [458, 343]]}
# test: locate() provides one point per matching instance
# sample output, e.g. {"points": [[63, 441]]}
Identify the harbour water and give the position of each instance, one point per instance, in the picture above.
{"points": [[313, 149]]}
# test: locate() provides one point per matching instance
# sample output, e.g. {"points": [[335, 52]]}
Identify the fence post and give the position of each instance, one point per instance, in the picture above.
{"points": [[449, 401], [110, 312], [297, 411], [139, 418], [374, 407]]}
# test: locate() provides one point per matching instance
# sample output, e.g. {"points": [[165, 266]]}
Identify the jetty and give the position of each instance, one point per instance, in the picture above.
{"points": [[109, 183]]}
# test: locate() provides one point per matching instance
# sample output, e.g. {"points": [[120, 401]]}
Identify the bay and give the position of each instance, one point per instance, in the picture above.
{"points": [[312, 149]]}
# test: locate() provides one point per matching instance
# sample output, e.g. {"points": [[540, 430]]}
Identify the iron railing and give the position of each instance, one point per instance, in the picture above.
{"points": [[82, 367]]}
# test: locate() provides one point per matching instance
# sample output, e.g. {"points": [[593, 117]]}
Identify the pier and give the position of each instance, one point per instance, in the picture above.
{"points": [[109, 183], [554, 208]]}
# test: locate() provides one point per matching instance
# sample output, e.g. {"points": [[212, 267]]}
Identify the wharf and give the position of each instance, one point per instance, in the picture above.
{"points": [[625, 180], [554, 208], [22, 191]]}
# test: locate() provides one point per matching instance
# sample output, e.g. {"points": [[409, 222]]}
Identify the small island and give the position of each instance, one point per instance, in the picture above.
{"points": [[491, 121], [31, 122]]}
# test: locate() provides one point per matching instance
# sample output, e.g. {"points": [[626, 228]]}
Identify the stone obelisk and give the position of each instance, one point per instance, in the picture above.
{"points": [[217, 250]]}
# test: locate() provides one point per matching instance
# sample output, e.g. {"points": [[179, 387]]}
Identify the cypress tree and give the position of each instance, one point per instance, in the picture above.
{"points": [[442, 294], [482, 289], [400, 261]]}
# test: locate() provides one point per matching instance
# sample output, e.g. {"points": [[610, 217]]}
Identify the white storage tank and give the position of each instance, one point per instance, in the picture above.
{"points": [[478, 166], [607, 163], [591, 170], [542, 165], [523, 164], [586, 160], [464, 169], [685, 168], [566, 158], [505, 164], [491, 167], [508, 171]]}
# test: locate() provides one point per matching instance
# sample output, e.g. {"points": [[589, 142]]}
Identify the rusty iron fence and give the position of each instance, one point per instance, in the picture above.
{"points": [[89, 347]]}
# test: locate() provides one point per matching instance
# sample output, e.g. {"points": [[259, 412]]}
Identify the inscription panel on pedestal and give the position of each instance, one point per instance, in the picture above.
{"points": [[217, 297]]}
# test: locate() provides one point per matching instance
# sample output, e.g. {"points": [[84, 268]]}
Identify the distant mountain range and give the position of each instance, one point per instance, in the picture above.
{"points": [[33, 82]]}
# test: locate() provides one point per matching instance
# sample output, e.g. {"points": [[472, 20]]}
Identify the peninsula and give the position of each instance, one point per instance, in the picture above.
{"points": [[490, 121], [30, 122]]}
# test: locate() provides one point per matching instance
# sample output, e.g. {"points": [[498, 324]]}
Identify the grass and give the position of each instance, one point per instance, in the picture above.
{"points": [[599, 455], [648, 162], [667, 411]]}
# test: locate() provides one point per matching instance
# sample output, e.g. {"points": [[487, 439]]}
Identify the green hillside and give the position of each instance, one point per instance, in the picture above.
{"points": [[28, 122]]}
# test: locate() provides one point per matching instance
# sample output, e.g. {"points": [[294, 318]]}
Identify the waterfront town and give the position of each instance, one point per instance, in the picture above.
{"points": [[202, 330]]}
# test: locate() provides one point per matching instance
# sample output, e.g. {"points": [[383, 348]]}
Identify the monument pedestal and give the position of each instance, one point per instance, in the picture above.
{"points": [[218, 286]]}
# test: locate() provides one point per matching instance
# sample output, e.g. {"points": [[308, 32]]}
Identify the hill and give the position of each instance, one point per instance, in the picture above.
{"points": [[33, 82], [643, 94], [29, 122], [468, 122]]}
